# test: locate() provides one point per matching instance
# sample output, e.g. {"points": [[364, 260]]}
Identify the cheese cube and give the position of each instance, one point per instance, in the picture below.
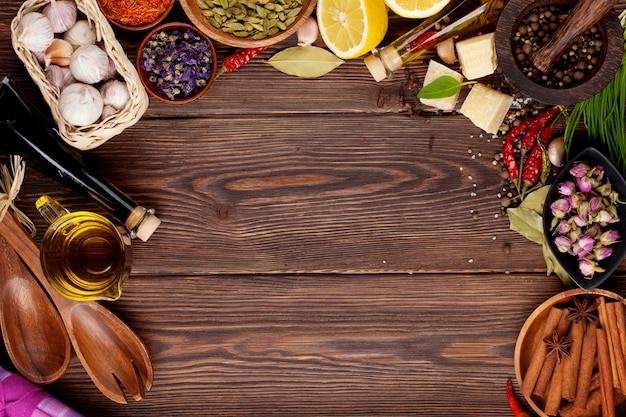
{"points": [[477, 55], [434, 71], [486, 107]]}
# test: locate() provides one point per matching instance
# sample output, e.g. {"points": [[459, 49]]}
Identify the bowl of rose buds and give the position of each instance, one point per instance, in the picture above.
{"points": [[583, 218]]}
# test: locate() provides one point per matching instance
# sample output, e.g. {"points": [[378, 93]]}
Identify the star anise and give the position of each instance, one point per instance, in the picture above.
{"points": [[585, 311], [558, 346]]}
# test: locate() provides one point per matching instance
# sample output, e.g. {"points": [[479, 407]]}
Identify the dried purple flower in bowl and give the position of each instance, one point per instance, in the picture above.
{"points": [[176, 63], [584, 218]]}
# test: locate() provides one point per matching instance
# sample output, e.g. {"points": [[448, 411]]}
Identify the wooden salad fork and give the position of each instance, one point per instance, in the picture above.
{"points": [[112, 354]]}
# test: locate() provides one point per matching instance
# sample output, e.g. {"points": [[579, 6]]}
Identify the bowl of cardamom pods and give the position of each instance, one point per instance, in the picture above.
{"points": [[564, 354], [246, 23]]}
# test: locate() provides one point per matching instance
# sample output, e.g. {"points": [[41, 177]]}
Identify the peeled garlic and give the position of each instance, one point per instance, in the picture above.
{"points": [[308, 32], [89, 64], [556, 151], [80, 104], [61, 13], [34, 31], [445, 51], [82, 33], [115, 94], [59, 53], [60, 77]]}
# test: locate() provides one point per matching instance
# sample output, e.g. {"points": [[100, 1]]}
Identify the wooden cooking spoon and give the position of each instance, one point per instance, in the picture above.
{"points": [[583, 15], [33, 332], [112, 354]]}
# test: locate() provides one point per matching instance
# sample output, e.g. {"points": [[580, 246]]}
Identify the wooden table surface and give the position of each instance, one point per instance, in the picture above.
{"points": [[325, 249]]}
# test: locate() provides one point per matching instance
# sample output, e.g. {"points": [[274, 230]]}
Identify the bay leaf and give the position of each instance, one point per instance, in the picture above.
{"points": [[527, 223], [534, 201], [305, 61]]}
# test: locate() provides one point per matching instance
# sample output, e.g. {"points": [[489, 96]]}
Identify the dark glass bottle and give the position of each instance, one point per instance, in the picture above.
{"points": [[26, 132]]}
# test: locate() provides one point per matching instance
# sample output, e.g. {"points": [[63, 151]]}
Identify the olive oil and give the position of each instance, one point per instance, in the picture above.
{"points": [[83, 255]]}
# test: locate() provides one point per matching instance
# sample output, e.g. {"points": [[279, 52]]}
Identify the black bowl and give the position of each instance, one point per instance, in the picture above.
{"points": [[593, 157]]}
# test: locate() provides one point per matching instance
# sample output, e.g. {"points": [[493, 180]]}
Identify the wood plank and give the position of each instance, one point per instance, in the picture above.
{"points": [[438, 345]]}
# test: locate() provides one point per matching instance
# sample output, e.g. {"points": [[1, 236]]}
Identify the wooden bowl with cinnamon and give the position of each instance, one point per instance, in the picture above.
{"points": [[570, 356]]}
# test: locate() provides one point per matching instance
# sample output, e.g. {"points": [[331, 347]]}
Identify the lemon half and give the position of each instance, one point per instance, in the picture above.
{"points": [[416, 9], [350, 28]]}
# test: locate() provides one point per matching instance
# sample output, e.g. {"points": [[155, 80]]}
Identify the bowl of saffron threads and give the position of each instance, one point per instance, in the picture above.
{"points": [[135, 15], [176, 63]]}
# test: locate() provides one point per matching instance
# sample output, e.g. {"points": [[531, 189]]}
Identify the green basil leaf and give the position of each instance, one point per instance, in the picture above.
{"points": [[444, 86], [305, 61]]}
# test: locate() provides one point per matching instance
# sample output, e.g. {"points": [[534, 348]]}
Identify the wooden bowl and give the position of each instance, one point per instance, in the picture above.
{"points": [[610, 60], [195, 14], [143, 74], [531, 334], [115, 21]]}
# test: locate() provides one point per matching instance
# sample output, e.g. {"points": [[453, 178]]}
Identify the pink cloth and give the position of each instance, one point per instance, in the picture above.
{"points": [[21, 398]]}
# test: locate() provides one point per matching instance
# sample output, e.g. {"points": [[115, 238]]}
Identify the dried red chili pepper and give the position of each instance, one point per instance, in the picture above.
{"points": [[514, 403], [533, 165], [239, 58], [530, 136], [508, 151], [426, 40]]}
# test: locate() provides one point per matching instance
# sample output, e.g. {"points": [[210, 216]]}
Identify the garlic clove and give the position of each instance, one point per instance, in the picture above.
{"points": [[80, 104], [89, 64], [308, 32], [107, 112], [115, 94], [82, 33], [58, 53], [556, 151], [59, 77], [34, 32], [445, 51], [61, 13]]}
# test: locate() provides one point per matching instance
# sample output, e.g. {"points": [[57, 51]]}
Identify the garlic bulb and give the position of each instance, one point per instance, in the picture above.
{"points": [[82, 33], [112, 70], [89, 64], [61, 13], [59, 53], [80, 104], [34, 31], [59, 77], [115, 94], [308, 32]]}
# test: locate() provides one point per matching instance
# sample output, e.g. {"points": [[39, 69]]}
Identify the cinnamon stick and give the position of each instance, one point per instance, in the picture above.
{"points": [[550, 361], [539, 352], [606, 376], [553, 399], [621, 324], [605, 325], [572, 363], [587, 363], [615, 345]]}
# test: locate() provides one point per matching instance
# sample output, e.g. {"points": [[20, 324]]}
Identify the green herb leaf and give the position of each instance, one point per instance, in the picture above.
{"points": [[444, 86], [305, 61], [527, 223]]}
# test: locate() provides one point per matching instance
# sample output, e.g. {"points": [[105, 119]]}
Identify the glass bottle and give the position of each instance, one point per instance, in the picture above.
{"points": [[452, 21], [26, 132]]}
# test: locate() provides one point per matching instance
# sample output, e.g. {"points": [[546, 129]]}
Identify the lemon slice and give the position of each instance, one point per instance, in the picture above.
{"points": [[416, 9], [350, 28]]}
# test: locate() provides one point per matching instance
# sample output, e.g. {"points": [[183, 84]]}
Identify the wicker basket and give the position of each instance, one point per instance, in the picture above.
{"points": [[94, 135]]}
